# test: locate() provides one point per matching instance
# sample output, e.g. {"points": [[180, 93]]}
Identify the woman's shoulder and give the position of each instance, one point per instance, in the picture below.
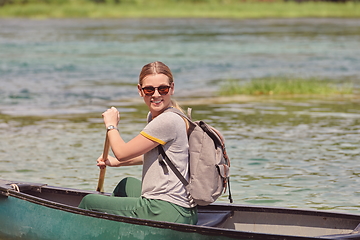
{"points": [[168, 118], [165, 114], [165, 126], [171, 115]]}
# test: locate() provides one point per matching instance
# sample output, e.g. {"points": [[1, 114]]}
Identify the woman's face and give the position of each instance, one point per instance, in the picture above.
{"points": [[156, 102]]}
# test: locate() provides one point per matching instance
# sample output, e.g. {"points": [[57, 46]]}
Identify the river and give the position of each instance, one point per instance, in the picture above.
{"points": [[58, 76]]}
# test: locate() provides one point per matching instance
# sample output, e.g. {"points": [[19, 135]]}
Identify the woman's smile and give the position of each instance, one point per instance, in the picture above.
{"points": [[156, 101]]}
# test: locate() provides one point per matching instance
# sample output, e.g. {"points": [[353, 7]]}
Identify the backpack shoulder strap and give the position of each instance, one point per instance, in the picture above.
{"points": [[172, 166]]}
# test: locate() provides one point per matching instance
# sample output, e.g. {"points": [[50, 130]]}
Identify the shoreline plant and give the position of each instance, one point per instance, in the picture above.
{"points": [[286, 86], [41, 9]]}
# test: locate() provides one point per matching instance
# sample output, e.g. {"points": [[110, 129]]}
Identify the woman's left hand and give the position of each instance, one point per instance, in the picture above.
{"points": [[101, 162]]}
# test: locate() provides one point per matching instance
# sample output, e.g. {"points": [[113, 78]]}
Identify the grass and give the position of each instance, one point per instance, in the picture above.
{"points": [[285, 86], [181, 9]]}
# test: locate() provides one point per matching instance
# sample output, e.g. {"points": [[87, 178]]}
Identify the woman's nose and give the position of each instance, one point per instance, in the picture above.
{"points": [[156, 93]]}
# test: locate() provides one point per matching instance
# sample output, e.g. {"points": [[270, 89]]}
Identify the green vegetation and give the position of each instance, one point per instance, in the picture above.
{"points": [[21, 120], [175, 9], [285, 86]]}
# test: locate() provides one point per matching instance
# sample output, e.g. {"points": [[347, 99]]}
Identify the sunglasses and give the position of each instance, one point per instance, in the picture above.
{"points": [[150, 90]]}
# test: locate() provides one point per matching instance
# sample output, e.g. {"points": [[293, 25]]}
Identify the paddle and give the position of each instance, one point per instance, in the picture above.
{"points": [[100, 186]]}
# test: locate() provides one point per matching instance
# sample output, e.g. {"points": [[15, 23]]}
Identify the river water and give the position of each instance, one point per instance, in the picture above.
{"points": [[58, 76]]}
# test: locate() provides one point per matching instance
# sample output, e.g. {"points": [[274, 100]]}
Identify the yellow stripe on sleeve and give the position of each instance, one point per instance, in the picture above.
{"points": [[152, 138]]}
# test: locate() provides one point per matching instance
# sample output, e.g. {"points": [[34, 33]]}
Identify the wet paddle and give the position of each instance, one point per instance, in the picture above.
{"points": [[100, 186]]}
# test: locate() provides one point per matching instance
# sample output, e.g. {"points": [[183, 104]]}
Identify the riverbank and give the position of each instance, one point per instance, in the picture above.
{"points": [[161, 9]]}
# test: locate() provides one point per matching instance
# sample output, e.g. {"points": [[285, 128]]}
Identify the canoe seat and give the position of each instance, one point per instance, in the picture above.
{"points": [[210, 218]]}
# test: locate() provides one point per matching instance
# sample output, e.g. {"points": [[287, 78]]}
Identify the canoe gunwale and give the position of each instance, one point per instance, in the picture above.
{"points": [[297, 211], [7, 186]]}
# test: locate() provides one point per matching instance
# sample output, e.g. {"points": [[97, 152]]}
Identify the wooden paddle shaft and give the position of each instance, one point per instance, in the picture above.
{"points": [[100, 187]]}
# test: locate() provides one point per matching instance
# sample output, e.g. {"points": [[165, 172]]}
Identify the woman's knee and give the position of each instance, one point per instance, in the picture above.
{"points": [[84, 202], [128, 187], [89, 201]]}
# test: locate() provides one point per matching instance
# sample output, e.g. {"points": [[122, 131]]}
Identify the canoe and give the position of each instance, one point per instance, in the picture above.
{"points": [[39, 212]]}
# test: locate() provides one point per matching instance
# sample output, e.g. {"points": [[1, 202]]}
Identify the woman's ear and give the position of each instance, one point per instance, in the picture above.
{"points": [[140, 91], [172, 89]]}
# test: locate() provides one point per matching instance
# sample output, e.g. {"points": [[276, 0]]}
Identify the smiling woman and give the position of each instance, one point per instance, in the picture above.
{"points": [[160, 195]]}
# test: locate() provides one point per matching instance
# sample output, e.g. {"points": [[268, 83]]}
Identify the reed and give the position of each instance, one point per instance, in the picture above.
{"points": [[178, 9], [285, 86]]}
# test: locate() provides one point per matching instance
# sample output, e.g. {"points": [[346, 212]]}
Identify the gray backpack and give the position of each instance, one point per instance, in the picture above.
{"points": [[209, 163]]}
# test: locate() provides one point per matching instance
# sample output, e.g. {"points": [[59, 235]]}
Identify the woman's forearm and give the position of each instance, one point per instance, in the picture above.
{"points": [[128, 153], [114, 162]]}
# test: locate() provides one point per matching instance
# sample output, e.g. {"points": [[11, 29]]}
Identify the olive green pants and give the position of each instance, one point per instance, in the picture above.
{"points": [[126, 201]]}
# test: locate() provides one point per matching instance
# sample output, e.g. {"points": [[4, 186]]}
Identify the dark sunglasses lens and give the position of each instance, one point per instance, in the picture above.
{"points": [[149, 90], [163, 90]]}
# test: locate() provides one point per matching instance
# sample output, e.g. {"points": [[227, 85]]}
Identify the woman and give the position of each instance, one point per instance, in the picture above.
{"points": [[160, 195]]}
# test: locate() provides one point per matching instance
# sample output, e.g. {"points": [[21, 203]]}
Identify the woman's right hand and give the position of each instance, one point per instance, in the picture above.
{"points": [[111, 117]]}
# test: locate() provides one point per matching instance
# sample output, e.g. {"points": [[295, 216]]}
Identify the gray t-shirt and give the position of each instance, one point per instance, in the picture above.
{"points": [[168, 129]]}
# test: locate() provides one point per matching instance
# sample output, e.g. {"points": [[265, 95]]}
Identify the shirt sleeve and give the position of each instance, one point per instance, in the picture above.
{"points": [[162, 128]]}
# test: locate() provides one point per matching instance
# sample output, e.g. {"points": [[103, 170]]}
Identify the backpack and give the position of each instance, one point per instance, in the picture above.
{"points": [[209, 164]]}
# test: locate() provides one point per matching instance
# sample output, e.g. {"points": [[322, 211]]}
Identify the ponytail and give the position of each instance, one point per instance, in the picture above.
{"points": [[176, 105]]}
